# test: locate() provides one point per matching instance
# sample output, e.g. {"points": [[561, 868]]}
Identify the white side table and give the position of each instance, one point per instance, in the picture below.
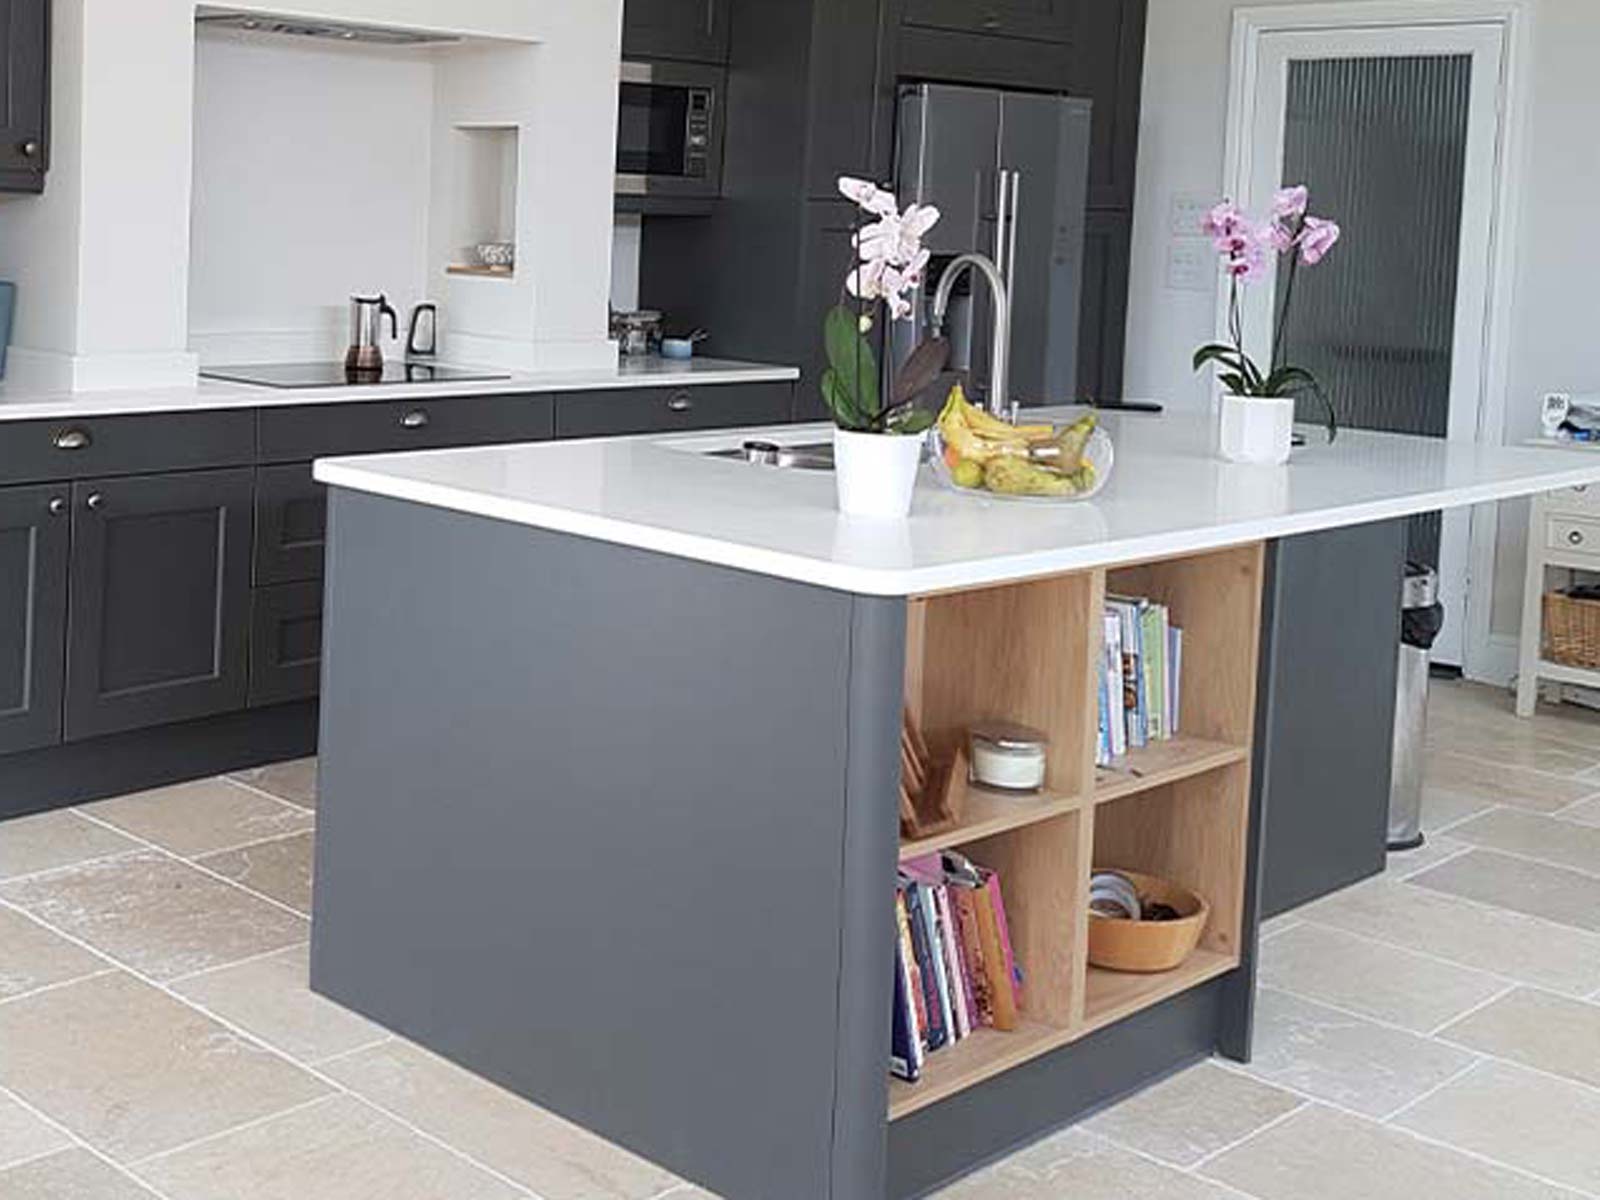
{"points": [[1563, 532]]}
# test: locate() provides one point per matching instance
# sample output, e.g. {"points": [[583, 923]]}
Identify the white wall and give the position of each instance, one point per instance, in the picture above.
{"points": [[1182, 144], [312, 171], [625, 239]]}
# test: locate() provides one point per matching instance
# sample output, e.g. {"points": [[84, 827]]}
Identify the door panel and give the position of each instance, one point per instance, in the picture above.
{"points": [[690, 29], [1049, 20], [1396, 132], [33, 615], [285, 643], [291, 524], [24, 93], [159, 600]]}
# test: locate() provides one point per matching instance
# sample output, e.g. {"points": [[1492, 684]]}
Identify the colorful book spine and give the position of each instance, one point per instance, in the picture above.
{"points": [[964, 901], [905, 1048], [937, 1032], [1152, 642], [1118, 715], [1012, 971], [1174, 678], [913, 977], [930, 914], [952, 961]]}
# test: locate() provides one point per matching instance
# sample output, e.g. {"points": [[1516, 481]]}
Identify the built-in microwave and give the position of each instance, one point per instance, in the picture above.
{"points": [[669, 130]]}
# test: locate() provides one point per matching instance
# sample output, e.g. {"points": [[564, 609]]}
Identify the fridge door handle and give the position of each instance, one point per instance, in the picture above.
{"points": [[1002, 179], [1009, 265]]}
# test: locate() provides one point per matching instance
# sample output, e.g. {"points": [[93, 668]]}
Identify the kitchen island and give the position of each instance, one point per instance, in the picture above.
{"points": [[611, 752]]}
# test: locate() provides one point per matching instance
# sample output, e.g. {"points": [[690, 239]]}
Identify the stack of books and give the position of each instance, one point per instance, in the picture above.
{"points": [[1142, 682], [954, 968]]}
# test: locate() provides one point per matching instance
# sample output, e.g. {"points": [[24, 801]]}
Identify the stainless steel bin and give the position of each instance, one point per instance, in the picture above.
{"points": [[1421, 618]]}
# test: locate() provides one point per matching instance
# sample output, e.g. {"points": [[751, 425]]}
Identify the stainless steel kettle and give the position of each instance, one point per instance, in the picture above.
{"points": [[365, 355]]}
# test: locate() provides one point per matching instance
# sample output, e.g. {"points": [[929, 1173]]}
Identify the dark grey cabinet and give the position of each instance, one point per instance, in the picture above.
{"points": [[1108, 68], [34, 539], [24, 94], [1102, 324], [1047, 20], [291, 525], [614, 413], [285, 643], [159, 600], [696, 30]]}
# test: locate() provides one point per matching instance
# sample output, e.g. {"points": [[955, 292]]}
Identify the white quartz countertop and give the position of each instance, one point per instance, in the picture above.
{"points": [[1166, 496], [23, 405]]}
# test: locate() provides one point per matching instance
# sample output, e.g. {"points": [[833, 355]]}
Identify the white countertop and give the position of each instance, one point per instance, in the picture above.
{"points": [[22, 405], [1166, 496]]}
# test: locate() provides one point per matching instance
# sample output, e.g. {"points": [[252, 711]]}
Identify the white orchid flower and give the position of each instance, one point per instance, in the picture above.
{"points": [[891, 257], [869, 196]]}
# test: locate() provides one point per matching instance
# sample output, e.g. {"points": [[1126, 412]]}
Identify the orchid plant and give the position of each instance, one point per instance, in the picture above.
{"points": [[889, 263], [1247, 249]]}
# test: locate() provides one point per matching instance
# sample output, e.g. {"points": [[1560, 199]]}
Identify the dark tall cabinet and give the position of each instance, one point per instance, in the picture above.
{"points": [[696, 30], [34, 542], [160, 599], [1046, 20], [24, 94]]}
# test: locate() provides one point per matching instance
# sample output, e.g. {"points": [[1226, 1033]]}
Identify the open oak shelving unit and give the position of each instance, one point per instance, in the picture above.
{"points": [[1031, 652]]}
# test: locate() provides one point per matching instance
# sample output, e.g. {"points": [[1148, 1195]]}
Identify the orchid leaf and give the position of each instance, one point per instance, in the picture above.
{"points": [[1216, 352], [925, 364], [918, 420], [854, 364], [841, 403]]}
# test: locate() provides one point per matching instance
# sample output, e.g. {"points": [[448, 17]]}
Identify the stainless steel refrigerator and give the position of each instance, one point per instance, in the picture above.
{"points": [[1009, 171]]}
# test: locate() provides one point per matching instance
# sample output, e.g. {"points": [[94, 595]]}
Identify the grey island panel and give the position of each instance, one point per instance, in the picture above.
{"points": [[610, 829]]}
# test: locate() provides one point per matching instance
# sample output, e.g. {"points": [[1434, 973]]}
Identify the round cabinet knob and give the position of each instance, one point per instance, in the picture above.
{"points": [[30, 148], [415, 419], [57, 506], [95, 501], [72, 439], [991, 20], [1575, 538], [680, 402]]}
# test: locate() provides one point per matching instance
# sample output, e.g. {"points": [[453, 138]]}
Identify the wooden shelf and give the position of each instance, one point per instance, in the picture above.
{"points": [[982, 1055], [1112, 995], [986, 813], [481, 271], [1162, 763]]}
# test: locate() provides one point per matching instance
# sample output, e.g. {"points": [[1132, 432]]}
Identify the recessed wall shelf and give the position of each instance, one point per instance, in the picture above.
{"points": [[481, 271]]}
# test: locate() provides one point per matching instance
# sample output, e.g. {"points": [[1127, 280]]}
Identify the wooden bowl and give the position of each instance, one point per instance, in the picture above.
{"points": [[1147, 947]]}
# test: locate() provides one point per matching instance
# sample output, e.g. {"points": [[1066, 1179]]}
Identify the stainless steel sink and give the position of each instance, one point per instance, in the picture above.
{"points": [[809, 456]]}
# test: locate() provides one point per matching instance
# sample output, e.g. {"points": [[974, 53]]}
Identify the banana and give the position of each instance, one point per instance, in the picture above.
{"points": [[1018, 477], [1065, 450], [986, 424]]}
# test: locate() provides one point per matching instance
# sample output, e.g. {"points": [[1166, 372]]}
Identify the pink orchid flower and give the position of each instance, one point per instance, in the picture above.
{"points": [[1290, 202], [1317, 239], [1275, 237], [1223, 221]]}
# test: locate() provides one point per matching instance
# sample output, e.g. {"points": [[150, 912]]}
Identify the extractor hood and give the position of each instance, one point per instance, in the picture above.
{"points": [[311, 27]]}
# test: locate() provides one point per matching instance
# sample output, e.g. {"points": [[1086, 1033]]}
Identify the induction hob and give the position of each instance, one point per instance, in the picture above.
{"points": [[334, 374]]}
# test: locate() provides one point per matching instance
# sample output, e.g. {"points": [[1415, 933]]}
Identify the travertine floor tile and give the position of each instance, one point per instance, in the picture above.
{"points": [[70, 1175], [280, 868], [1537, 889], [199, 817], [1536, 836], [24, 1136], [339, 1149], [1194, 1113], [133, 1072], [1539, 1029], [1487, 782], [1538, 1123], [1083, 1167], [540, 1151], [1319, 1154], [1405, 863], [1378, 981], [1495, 708], [1345, 1060], [294, 781], [54, 839], [1517, 946], [1585, 812], [32, 957], [269, 998], [159, 916], [1513, 745]]}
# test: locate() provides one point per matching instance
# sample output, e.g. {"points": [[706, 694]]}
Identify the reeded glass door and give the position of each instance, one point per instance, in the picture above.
{"points": [[1396, 133]]}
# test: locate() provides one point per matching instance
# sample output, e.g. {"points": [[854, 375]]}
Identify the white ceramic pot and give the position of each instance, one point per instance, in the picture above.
{"points": [[1255, 429], [876, 472]]}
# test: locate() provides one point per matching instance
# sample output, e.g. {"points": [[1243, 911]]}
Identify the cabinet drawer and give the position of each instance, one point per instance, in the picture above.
{"points": [[1585, 498], [291, 525], [666, 410], [285, 643], [75, 448], [375, 427], [1573, 536]]}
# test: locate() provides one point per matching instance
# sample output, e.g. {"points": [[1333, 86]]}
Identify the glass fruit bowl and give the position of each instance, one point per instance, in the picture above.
{"points": [[986, 462]]}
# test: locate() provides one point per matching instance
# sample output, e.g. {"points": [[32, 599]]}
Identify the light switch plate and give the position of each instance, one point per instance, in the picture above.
{"points": [[1191, 267], [1189, 211]]}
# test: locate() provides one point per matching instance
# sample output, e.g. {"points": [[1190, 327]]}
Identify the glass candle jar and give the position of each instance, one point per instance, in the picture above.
{"points": [[1007, 756]]}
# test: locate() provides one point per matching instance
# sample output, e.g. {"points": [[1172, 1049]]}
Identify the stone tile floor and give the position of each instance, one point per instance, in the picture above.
{"points": [[1432, 1032]]}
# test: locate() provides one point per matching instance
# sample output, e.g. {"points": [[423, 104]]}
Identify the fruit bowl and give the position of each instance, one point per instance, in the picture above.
{"points": [[977, 454]]}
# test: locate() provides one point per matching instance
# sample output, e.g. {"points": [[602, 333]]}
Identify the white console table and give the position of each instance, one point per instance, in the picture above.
{"points": [[1564, 533]]}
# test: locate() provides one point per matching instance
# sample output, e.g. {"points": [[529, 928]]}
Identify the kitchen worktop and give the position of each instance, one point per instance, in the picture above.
{"points": [[24, 405], [1167, 496]]}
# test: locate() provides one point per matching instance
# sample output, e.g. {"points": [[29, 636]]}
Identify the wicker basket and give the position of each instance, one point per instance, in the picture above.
{"points": [[1571, 630]]}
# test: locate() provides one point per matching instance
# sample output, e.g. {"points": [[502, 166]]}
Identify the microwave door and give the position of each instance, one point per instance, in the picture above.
{"points": [[668, 130]]}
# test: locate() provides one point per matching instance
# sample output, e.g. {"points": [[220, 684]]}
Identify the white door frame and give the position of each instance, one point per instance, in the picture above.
{"points": [[1514, 17]]}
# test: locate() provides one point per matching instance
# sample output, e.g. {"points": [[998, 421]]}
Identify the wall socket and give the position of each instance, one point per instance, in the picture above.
{"points": [[1191, 267], [1189, 210]]}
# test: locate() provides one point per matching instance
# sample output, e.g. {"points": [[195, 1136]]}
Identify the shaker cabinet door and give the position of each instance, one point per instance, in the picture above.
{"points": [[291, 524], [160, 600], [33, 614], [24, 94], [1047, 20], [696, 30]]}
